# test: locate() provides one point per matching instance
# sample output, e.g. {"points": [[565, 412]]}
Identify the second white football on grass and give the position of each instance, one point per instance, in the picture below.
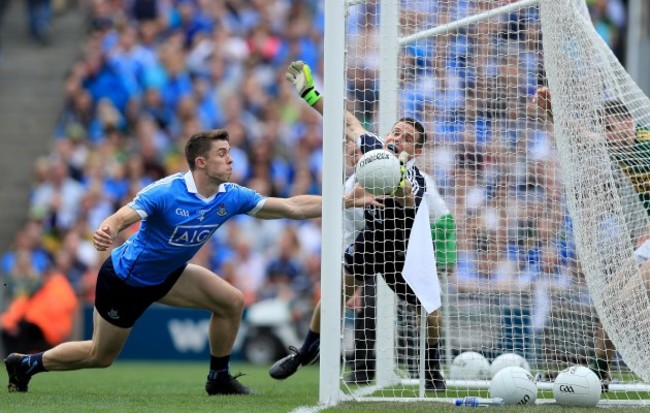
{"points": [[508, 360], [469, 365]]}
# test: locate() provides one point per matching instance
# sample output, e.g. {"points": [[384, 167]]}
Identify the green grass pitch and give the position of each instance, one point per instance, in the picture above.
{"points": [[178, 387]]}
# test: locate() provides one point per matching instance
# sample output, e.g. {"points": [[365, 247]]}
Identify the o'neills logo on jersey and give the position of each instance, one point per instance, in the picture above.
{"points": [[191, 235], [375, 157], [222, 210]]}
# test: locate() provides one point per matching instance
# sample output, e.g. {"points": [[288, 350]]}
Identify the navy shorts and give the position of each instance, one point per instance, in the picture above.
{"points": [[363, 260], [122, 304]]}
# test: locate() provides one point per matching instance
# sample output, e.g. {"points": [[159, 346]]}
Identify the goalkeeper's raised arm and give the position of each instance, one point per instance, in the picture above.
{"points": [[300, 76]]}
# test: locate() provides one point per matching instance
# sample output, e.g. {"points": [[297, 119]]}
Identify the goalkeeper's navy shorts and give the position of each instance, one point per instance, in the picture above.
{"points": [[363, 261], [122, 304]]}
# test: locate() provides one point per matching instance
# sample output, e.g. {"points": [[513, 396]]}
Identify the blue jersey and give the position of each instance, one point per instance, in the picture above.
{"points": [[176, 222]]}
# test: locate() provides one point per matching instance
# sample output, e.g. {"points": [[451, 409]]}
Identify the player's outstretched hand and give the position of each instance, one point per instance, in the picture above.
{"points": [[102, 238], [299, 74], [543, 99], [359, 198]]}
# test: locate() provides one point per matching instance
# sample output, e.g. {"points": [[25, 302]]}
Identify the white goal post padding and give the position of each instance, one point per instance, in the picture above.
{"points": [[545, 231]]}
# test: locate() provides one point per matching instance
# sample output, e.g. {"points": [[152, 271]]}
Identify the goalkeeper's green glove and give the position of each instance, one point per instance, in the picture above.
{"points": [[403, 159], [299, 74]]}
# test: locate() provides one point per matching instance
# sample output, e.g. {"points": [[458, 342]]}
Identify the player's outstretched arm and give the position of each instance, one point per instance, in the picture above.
{"points": [[299, 74], [308, 206], [107, 232], [296, 207]]}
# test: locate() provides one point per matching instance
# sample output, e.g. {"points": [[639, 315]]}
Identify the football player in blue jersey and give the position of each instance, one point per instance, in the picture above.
{"points": [[179, 213], [381, 245]]}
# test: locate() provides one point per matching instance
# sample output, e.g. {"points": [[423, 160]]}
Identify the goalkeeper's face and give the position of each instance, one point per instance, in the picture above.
{"points": [[620, 131], [405, 138]]}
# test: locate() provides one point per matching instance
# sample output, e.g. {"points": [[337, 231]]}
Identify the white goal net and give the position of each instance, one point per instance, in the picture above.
{"points": [[535, 240]]}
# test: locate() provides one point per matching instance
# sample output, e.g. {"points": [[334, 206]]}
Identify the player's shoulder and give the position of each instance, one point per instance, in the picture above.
{"points": [[232, 187], [369, 141], [240, 192], [165, 183], [642, 133]]}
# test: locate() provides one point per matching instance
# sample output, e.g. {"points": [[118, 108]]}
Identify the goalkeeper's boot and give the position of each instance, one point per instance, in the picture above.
{"points": [[601, 368], [434, 381], [18, 368], [227, 385], [287, 366]]}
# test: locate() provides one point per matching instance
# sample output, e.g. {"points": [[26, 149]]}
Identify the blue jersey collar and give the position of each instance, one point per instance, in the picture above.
{"points": [[191, 185]]}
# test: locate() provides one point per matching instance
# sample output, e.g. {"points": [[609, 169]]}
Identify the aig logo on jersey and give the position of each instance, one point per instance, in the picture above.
{"points": [[191, 235]]}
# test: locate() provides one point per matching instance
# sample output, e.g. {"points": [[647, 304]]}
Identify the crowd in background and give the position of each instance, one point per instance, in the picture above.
{"points": [[153, 72]]}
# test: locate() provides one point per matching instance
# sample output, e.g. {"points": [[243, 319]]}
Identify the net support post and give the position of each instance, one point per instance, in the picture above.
{"points": [[389, 64], [388, 87], [332, 228], [385, 346]]}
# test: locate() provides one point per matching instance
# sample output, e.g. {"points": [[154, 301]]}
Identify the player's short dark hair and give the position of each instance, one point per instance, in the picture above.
{"points": [[200, 143], [616, 107], [419, 128]]}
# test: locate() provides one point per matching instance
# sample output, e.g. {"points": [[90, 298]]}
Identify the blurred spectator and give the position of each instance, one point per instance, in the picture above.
{"points": [[39, 17], [610, 20], [41, 318], [26, 246], [285, 277], [58, 198], [249, 268]]}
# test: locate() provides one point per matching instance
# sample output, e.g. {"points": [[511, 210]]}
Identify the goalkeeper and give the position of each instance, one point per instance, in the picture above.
{"points": [[629, 146], [381, 244], [443, 232]]}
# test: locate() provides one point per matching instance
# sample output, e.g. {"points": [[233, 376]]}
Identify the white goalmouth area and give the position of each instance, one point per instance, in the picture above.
{"points": [[549, 208]]}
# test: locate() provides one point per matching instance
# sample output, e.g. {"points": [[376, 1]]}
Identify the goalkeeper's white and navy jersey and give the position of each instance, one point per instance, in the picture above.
{"points": [[353, 218], [389, 228], [437, 205], [176, 222]]}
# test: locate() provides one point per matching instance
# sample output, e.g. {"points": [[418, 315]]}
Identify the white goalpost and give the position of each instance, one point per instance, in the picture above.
{"points": [[547, 213]]}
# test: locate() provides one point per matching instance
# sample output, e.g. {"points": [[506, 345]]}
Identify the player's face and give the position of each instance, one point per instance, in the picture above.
{"points": [[620, 131], [218, 164], [404, 137]]}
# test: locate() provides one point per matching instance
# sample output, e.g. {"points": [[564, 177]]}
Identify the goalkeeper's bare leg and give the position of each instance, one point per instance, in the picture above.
{"points": [[310, 350], [434, 381]]}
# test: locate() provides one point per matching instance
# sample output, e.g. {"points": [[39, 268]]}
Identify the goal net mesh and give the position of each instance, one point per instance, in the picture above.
{"points": [[545, 231]]}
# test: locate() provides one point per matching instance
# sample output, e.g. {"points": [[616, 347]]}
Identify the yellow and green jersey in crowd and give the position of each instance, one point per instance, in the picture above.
{"points": [[635, 164]]}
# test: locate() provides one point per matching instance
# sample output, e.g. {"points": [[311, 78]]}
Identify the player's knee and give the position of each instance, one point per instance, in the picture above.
{"points": [[102, 361], [233, 307], [238, 303]]}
